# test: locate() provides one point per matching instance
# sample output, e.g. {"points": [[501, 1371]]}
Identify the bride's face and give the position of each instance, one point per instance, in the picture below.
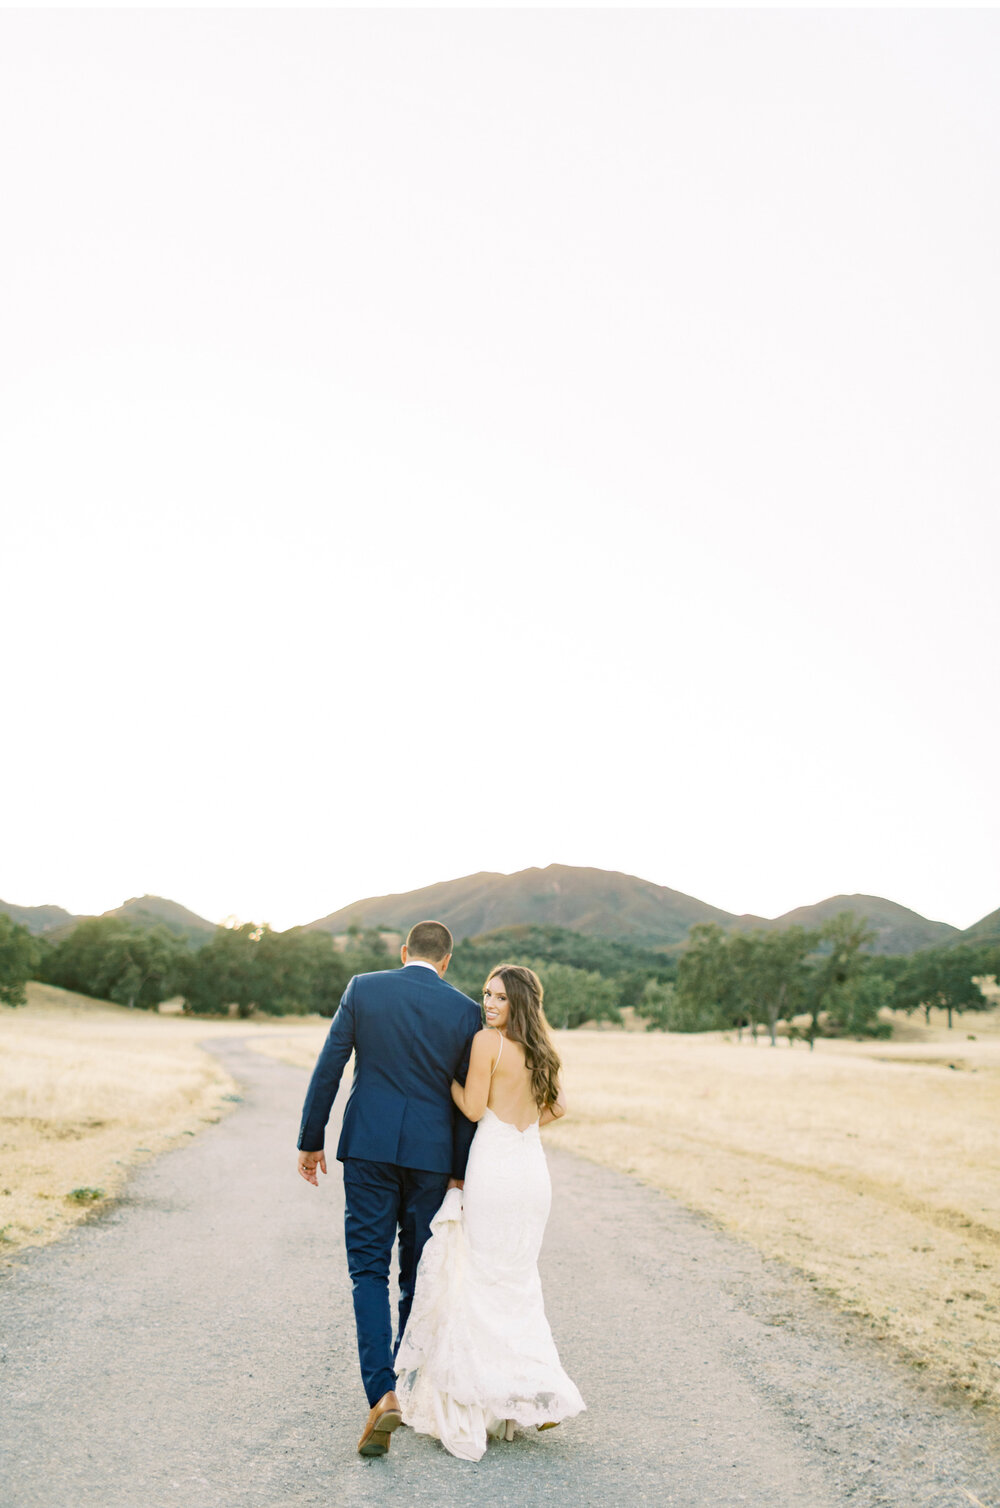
{"points": [[495, 1003]]}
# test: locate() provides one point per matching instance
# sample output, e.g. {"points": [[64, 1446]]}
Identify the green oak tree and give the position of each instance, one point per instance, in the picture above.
{"points": [[831, 990], [772, 975], [223, 972], [19, 956], [706, 981], [942, 977], [573, 996], [111, 958]]}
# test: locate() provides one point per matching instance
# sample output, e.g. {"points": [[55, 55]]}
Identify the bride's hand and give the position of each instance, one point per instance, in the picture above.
{"points": [[553, 1112]]}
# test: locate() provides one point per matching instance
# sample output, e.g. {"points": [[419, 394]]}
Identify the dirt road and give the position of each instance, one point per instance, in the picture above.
{"points": [[194, 1348]]}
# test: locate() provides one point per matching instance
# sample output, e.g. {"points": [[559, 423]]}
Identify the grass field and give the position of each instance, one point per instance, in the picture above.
{"points": [[87, 1090], [873, 1168]]}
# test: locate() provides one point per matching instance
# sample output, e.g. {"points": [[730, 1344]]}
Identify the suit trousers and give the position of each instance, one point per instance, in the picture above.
{"points": [[380, 1200]]}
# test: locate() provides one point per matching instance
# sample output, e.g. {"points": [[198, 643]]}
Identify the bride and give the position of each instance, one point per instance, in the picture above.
{"points": [[477, 1355]]}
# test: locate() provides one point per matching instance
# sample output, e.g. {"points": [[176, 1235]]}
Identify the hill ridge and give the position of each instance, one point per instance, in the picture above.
{"points": [[605, 903], [602, 902], [613, 904], [987, 929], [45, 921], [38, 919]]}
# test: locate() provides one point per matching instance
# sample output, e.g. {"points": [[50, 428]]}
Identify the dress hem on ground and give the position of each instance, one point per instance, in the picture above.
{"points": [[477, 1349]]}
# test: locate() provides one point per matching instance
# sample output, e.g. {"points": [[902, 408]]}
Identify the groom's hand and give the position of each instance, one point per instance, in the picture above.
{"points": [[308, 1163], [455, 1183]]}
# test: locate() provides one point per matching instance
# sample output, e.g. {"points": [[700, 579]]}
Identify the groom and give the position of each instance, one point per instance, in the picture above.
{"points": [[401, 1142]]}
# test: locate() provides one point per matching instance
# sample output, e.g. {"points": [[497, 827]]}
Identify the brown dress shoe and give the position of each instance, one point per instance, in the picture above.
{"points": [[383, 1419]]}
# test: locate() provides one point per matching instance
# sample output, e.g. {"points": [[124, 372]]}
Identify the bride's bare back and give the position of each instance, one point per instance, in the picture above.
{"points": [[499, 1081], [510, 1097]]}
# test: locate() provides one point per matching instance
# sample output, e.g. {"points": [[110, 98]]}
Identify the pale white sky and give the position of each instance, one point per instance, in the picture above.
{"points": [[443, 441]]}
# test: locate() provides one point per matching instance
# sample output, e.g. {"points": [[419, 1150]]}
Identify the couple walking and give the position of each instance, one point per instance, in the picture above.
{"points": [[440, 1146]]}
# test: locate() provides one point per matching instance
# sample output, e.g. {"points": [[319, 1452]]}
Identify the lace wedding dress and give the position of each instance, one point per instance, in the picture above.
{"points": [[477, 1350]]}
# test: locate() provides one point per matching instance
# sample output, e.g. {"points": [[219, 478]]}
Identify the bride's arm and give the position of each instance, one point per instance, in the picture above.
{"points": [[471, 1099], [555, 1111]]}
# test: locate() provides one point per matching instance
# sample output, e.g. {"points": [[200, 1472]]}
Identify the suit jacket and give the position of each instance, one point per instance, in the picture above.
{"points": [[411, 1033]]}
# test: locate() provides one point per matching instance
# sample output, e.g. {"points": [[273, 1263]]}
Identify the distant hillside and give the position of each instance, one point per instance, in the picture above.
{"points": [[748, 921], [604, 903], [38, 919], [987, 929], [601, 902], [145, 911], [898, 929], [153, 910]]}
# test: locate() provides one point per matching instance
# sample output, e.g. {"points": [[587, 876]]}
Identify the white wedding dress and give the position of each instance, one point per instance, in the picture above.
{"points": [[477, 1350]]}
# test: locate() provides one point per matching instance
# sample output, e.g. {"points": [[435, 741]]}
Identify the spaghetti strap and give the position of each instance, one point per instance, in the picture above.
{"points": [[499, 1056]]}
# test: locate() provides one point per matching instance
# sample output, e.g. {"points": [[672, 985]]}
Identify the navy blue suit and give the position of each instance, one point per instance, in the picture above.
{"points": [[411, 1033]]}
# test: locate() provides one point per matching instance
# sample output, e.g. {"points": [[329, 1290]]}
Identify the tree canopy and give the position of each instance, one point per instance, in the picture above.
{"points": [[19, 954], [113, 959], [720, 980]]}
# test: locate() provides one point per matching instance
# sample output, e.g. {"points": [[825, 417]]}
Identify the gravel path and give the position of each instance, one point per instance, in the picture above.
{"points": [[194, 1348]]}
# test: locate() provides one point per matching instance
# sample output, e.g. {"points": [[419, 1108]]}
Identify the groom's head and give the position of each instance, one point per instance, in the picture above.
{"points": [[429, 942]]}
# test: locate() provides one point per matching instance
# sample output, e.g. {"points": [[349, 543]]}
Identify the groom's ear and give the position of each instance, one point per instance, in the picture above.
{"points": [[442, 967], [404, 952]]}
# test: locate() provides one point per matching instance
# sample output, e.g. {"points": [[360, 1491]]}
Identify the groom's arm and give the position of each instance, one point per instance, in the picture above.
{"points": [[326, 1075]]}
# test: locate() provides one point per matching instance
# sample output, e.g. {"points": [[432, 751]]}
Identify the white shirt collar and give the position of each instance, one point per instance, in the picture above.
{"points": [[419, 963]]}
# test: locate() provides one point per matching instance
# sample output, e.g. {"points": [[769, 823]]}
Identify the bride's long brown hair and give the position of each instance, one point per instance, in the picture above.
{"points": [[526, 1024]]}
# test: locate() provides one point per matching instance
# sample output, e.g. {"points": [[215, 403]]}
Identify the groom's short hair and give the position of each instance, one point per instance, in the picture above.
{"points": [[430, 940]]}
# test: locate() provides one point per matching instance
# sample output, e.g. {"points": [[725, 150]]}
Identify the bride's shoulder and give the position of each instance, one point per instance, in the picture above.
{"points": [[486, 1041]]}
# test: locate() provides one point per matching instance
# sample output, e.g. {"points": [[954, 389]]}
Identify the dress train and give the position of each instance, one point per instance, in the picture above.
{"points": [[477, 1351]]}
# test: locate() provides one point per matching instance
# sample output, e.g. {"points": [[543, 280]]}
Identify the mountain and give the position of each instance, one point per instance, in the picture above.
{"points": [[898, 930], [607, 904], [601, 902], [986, 930], [143, 910], [153, 911], [38, 919]]}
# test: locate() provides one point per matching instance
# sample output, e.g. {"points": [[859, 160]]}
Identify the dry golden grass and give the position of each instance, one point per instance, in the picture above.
{"points": [[872, 1168], [87, 1090]]}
